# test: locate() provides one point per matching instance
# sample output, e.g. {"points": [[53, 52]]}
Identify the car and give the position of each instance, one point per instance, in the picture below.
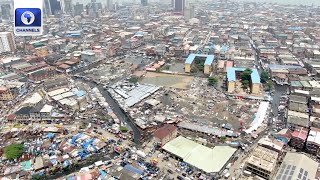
{"points": [[190, 172], [180, 178], [184, 174]]}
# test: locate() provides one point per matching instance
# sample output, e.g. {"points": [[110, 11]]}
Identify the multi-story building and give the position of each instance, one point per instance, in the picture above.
{"points": [[189, 12], [66, 6], [78, 9], [88, 56], [262, 162], [46, 112], [23, 114], [313, 141], [7, 43], [272, 144], [7, 10], [109, 5], [54, 6], [179, 6], [165, 134], [233, 76], [35, 113], [144, 2], [7, 94], [43, 73], [299, 137]]}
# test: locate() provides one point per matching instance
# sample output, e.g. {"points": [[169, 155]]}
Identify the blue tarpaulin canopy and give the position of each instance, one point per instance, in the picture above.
{"points": [[50, 135], [133, 169], [103, 174]]}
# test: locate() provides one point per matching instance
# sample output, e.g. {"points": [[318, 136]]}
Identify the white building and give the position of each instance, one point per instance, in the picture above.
{"points": [[7, 43]]}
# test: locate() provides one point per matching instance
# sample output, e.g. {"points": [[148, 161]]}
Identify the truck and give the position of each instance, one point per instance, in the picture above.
{"points": [[227, 175]]}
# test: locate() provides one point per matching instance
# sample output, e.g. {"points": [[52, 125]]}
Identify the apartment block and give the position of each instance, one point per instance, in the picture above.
{"points": [[313, 141], [262, 162], [299, 137], [7, 43]]}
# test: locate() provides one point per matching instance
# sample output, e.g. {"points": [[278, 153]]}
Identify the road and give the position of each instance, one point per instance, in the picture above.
{"points": [[279, 90], [119, 112]]}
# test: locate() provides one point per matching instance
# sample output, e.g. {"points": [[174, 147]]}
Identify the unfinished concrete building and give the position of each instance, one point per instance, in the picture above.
{"points": [[262, 162]]}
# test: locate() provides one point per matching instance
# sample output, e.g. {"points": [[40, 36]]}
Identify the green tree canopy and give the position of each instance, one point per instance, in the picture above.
{"points": [[212, 81], [124, 129], [13, 151], [246, 75], [245, 84], [223, 138], [264, 77], [269, 85], [133, 79]]}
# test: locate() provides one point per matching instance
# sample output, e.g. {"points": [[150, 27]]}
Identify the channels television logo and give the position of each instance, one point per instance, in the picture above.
{"points": [[28, 21]]}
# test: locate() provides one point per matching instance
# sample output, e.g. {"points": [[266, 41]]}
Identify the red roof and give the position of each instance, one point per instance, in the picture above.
{"points": [[2, 88], [229, 64], [64, 66], [164, 131], [301, 133], [11, 117]]}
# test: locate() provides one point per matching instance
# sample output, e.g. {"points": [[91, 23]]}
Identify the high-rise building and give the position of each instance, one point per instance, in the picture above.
{"points": [[55, 7], [189, 12], [6, 10], [78, 9], [179, 5], [66, 6], [93, 8], [7, 43], [47, 8], [144, 2], [109, 5]]}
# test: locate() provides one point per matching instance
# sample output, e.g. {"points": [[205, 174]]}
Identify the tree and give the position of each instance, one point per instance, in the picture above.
{"points": [[269, 85], [245, 84], [13, 151], [223, 139], [106, 117], [38, 177], [193, 70], [133, 79], [83, 125], [246, 75], [264, 77], [212, 81], [124, 129]]}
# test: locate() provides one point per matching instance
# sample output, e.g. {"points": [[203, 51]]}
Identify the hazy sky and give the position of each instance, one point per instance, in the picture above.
{"points": [[296, 2]]}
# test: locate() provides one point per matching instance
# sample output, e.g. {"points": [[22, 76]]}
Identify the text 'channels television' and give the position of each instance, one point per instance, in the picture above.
{"points": [[27, 17]]}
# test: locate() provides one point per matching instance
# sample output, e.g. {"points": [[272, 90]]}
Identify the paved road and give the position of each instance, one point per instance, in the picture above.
{"points": [[123, 116], [119, 112], [279, 91]]}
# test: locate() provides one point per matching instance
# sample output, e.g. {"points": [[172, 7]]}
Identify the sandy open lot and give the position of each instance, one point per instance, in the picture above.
{"points": [[168, 80]]}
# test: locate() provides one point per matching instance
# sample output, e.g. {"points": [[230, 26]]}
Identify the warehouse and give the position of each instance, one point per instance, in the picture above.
{"points": [[212, 160], [297, 166]]}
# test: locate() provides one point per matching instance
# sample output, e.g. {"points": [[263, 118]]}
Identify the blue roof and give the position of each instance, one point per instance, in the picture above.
{"points": [[139, 33], [295, 28], [209, 58], [102, 173], [224, 48], [50, 135], [80, 93], [73, 32], [133, 169], [231, 74]]}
